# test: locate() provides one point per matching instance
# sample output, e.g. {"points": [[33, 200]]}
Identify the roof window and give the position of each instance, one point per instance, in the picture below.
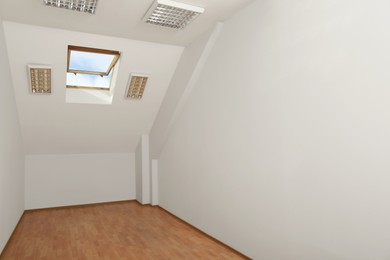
{"points": [[90, 68]]}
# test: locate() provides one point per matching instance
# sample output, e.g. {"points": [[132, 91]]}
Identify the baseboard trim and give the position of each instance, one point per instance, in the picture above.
{"points": [[12, 235], [80, 205], [202, 232], [144, 205]]}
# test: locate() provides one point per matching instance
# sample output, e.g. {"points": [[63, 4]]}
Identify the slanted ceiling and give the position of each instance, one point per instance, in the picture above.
{"points": [[38, 34], [50, 125], [120, 18]]}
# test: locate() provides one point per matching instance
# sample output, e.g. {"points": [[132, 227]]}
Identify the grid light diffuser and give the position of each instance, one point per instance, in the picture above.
{"points": [[172, 14], [87, 6], [136, 86], [40, 78]]}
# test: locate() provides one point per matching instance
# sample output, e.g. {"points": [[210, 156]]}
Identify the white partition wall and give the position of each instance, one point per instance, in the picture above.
{"points": [[154, 182], [63, 180], [11, 152], [143, 178], [282, 149]]}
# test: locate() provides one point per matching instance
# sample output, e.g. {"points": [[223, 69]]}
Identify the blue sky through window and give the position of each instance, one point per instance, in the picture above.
{"points": [[88, 61], [87, 80]]}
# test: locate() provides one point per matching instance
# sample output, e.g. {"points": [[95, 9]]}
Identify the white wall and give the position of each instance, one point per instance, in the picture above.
{"points": [[282, 150], [11, 152], [138, 171], [187, 72], [143, 178], [62, 180], [154, 182], [146, 183]]}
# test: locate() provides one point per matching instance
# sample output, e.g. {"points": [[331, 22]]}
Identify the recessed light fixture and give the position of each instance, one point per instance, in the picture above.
{"points": [[136, 86], [87, 6], [40, 78], [172, 14]]}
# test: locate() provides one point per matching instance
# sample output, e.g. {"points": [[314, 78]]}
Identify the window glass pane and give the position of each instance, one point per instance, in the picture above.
{"points": [[88, 61], [87, 80]]}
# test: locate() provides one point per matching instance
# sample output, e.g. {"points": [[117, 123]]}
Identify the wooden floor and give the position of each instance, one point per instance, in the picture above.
{"points": [[122, 230]]}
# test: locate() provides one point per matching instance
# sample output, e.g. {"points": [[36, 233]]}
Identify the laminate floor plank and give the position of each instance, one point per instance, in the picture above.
{"points": [[121, 230]]}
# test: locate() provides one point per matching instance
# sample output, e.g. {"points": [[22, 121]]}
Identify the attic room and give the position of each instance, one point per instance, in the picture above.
{"points": [[252, 129]]}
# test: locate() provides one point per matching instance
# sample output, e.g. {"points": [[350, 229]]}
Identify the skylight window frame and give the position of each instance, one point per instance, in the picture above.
{"points": [[106, 73], [96, 51]]}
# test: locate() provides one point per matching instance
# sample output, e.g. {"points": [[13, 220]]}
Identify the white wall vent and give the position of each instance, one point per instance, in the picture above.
{"points": [[172, 14]]}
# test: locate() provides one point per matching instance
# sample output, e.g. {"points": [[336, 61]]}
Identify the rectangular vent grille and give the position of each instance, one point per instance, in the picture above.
{"points": [[172, 14], [136, 86], [87, 6], [40, 78]]}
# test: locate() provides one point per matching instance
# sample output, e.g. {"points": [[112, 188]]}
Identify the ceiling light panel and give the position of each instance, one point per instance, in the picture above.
{"points": [[87, 6], [172, 14], [136, 86], [40, 78]]}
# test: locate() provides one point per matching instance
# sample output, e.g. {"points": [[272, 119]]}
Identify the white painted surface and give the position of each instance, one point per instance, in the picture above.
{"points": [[63, 180], [188, 70], [11, 152], [88, 96], [154, 171], [120, 18], [146, 182], [282, 150], [138, 171], [143, 178], [52, 126]]}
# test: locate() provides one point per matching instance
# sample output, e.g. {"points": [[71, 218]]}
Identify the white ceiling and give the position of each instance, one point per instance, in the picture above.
{"points": [[50, 125], [39, 34], [120, 18]]}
